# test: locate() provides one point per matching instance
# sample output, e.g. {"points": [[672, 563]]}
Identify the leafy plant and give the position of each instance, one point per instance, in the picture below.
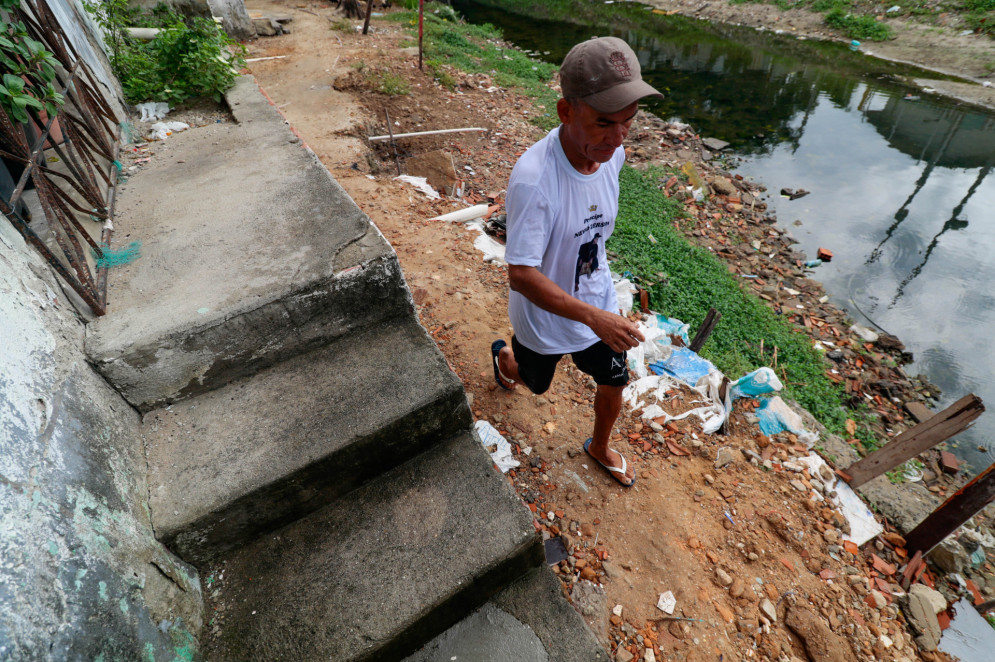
{"points": [[388, 82], [189, 58], [29, 78], [858, 26]]}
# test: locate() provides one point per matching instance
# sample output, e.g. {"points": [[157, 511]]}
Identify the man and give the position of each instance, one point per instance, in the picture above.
{"points": [[562, 201]]}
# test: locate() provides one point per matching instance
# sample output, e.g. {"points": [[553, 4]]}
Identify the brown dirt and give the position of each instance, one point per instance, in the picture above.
{"points": [[684, 519]]}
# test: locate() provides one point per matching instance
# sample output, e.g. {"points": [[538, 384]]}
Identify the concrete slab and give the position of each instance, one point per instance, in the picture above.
{"points": [[228, 465], [381, 571], [251, 254], [530, 621]]}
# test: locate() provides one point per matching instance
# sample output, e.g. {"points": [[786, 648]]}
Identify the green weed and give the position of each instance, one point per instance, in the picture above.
{"points": [[390, 83], [858, 26], [696, 280]]}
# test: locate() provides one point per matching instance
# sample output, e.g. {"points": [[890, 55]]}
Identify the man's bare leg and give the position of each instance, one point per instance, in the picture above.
{"points": [[607, 406]]}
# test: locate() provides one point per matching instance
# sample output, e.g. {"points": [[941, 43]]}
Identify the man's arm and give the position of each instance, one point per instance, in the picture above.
{"points": [[616, 331]]}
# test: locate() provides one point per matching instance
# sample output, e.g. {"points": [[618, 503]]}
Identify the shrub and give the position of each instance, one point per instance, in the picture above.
{"points": [[858, 26]]}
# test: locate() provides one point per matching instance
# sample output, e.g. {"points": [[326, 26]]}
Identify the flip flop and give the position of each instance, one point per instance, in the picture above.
{"points": [[501, 380], [615, 472]]}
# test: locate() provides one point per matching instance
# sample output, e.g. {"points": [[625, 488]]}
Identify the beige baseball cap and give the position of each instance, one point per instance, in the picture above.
{"points": [[604, 73]]}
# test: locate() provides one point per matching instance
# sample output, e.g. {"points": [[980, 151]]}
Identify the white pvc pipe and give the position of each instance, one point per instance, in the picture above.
{"points": [[424, 133], [460, 215]]}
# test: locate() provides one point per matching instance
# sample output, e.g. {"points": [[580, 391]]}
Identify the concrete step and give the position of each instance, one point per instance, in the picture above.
{"points": [[529, 621], [231, 464], [383, 570], [250, 254]]}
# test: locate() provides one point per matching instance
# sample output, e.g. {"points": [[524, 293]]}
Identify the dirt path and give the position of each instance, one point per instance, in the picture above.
{"points": [[738, 546]]}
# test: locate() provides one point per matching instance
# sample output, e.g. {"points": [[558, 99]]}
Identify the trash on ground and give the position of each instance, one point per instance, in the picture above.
{"points": [[492, 249], [759, 382], [667, 602], [775, 416], [862, 523], [152, 110], [969, 636], [422, 185], [460, 215], [496, 445], [556, 551], [868, 335], [162, 130]]}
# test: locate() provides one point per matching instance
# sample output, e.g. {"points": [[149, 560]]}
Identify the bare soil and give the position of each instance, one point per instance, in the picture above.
{"points": [[685, 519]]}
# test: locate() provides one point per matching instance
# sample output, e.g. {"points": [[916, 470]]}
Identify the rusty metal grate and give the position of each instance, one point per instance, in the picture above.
{"points": [[82, 139]]}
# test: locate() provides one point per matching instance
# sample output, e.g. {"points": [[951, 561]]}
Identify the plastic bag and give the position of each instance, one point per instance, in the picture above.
{"points": [[490, 437], [624, 290], [775, 416], [162, 130], [153, 110], [759, 382], [683, 364]]}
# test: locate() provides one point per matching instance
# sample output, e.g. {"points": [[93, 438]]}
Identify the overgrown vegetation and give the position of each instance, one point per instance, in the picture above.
{"points": [[190, 57], [684, 281], [858, 26], [29, 72], [478, 49]]}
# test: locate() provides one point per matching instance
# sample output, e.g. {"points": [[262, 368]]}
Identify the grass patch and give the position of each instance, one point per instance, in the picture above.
{"points": [[341, 25], [858, 26], [688, 280], [387, 82], [479, 49]]}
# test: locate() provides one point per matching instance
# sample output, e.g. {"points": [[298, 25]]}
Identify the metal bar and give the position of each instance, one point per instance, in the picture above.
{"points": [[108, 232], [39, 147], [952, 513], [29, 235], [73, 251], [66, 216], [69, 157], [940, 427]]}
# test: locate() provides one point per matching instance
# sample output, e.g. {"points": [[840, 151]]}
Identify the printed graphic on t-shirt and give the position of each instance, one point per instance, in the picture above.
{"points": [[587, 260]]}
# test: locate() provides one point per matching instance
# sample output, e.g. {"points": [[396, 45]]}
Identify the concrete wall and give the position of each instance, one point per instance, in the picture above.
{"points": [[81, 574]]}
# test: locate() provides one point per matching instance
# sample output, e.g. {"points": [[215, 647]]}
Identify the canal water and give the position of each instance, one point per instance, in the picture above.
{"points": [[901, 185]]}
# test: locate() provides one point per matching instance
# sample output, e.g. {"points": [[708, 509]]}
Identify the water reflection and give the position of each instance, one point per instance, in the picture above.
{"points": [[900, 185]]}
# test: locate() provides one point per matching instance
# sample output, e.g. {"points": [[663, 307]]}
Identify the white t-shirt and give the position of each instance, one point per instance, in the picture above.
{"points": [[558, 222]]}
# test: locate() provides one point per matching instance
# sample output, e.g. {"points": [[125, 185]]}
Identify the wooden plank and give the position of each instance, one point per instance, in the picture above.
{"points": [[918, 411], [711, 319], [952, 513], [940, 427]]}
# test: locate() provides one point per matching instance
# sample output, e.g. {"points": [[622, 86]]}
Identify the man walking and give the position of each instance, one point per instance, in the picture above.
{"points": [[562, 201]]}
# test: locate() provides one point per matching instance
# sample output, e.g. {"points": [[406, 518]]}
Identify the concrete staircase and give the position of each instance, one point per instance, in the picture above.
{"points": [[301, 428]]}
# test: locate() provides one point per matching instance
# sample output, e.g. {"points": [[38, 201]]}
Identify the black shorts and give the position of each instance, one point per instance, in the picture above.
{"points": [[600, 361]]}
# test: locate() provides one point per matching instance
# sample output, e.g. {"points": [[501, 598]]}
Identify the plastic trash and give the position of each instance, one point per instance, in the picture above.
{"points": [[162, 130], [667, 602], [810, 264], [854, 45], [893, 9], [673, 327], [152, 110], [624, 290], [683, 364], [775, 416], [491, 438], [759, 382]]}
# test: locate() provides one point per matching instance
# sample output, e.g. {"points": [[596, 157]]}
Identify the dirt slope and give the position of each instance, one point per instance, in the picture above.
{"points": [[740, 546]]}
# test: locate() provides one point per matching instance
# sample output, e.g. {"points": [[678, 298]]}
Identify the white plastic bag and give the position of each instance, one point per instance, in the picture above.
{"points": [[162, 130], [153, 110], [491, 438]]}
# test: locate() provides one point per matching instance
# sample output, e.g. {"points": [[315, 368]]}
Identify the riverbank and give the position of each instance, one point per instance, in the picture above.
{"points": [[706, 509]]}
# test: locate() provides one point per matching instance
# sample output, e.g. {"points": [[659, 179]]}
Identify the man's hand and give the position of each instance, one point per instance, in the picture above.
{"points": [[615, 331]]}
